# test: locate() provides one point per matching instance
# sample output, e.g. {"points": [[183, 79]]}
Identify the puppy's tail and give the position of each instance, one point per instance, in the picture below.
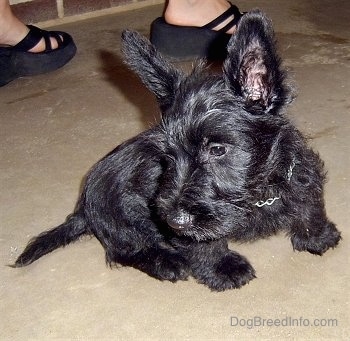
{"points": [[73, 228]]}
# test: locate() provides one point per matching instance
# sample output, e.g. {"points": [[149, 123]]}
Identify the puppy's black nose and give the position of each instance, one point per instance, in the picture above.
{"points": [[180, 220]]}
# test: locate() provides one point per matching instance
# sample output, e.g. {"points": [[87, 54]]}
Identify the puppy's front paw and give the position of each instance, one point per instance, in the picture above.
{"points": [[232, 271], [317, 244]]}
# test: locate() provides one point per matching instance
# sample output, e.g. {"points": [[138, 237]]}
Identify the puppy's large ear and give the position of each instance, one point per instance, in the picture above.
{"points": [[252, 68], [155, 72]]}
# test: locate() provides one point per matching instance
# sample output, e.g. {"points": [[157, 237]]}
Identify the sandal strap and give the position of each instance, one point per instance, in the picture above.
{"points": [[30, 40], [33, 37], [53, 34], [237, 17], [232, 11]]}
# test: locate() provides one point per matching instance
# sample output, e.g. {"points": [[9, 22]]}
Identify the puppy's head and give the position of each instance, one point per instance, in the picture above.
{"points": [[219, 131]]}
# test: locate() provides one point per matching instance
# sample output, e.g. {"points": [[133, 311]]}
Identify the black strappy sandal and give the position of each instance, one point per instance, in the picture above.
{"points": [[187, 42], [16, 61]]}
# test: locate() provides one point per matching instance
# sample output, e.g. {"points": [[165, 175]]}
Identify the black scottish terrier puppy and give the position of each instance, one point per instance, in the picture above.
{"points": [[223, 163]]}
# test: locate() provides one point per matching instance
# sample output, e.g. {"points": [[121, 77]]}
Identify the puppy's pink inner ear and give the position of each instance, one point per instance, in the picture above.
{"points": [[253, 77]]}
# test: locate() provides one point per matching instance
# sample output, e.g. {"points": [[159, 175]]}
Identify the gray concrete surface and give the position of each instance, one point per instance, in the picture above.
{"points": [[55, 126]]}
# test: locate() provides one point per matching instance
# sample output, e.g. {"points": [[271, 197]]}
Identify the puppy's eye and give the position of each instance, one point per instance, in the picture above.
{"points": [[217, 150]]}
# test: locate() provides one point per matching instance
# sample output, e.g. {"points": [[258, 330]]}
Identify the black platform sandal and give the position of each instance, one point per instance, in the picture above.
{"points": [[187, 42], [16, 61]]}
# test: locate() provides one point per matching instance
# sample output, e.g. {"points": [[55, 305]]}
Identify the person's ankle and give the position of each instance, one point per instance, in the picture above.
{"points": [[12, 32]]}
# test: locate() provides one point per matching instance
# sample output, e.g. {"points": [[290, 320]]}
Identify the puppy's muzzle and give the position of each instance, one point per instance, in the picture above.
{"points": [[180, 220]]}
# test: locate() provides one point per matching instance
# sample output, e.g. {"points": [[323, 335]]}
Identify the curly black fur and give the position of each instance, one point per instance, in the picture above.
{"points": [[167, 200]]}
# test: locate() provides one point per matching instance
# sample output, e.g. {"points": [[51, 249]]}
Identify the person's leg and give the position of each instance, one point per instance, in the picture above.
{"points": [[12, 30], [196, 12]]}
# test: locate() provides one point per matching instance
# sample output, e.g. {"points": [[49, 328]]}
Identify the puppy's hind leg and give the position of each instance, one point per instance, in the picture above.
{"points": [[158, 261], [140, 245]]}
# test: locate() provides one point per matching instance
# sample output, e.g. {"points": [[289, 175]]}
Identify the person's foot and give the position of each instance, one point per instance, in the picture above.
{"points": [[15, 61], [12, 31], [41, 45], [197, 14]]}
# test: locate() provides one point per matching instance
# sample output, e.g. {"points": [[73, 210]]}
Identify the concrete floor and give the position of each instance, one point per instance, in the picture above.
{"points": [[55, 126]]}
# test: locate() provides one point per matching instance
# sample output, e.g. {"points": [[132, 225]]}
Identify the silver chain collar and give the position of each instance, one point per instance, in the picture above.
{"points": [[270, 201]]}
